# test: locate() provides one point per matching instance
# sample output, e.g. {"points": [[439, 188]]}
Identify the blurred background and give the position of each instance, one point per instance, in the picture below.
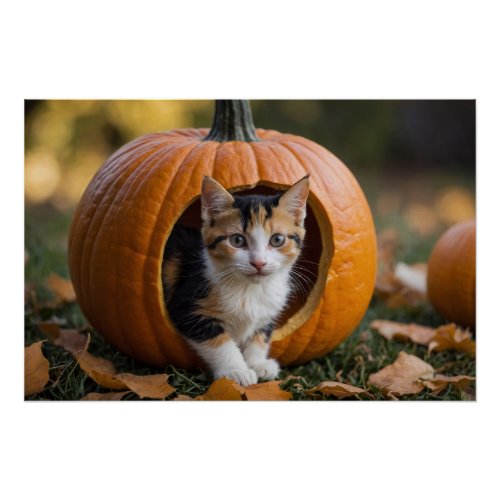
{"points": [[415, 160]]}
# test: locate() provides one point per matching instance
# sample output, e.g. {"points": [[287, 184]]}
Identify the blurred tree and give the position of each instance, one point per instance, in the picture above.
{"points": [[67, 140]]}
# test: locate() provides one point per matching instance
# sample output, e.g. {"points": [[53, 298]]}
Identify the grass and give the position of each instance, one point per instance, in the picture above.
{"points": [[361, 354]]}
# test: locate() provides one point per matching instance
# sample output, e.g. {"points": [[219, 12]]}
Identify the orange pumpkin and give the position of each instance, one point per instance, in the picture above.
{"points": [[127, 212], [451, 276]]}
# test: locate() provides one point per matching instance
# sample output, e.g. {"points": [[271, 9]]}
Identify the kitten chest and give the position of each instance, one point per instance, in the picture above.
{"points": [[249, 308]]}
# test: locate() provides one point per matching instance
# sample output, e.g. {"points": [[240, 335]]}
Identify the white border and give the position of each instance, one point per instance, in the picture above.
{"points": [[153, 49]]}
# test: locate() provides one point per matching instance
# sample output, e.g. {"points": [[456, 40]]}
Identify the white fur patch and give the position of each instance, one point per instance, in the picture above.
{"points": [[248, 303], [226, 361], [256, 357]]}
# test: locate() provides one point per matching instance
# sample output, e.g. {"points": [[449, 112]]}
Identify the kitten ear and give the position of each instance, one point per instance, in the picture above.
{"points": [[214, 199], [294, 200]]}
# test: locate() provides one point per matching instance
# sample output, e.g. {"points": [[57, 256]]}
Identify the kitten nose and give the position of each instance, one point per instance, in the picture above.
{"points": [[258, 264]]}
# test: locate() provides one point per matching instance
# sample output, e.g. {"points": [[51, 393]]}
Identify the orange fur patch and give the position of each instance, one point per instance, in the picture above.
{"points": [[217, 341], [170, 272], [283, 222], [259, 339], [209, 306], [225, 224]]}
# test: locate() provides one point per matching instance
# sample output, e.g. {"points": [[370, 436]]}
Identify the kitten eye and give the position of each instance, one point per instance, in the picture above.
{"points": [[237, 240], [277, 240]]}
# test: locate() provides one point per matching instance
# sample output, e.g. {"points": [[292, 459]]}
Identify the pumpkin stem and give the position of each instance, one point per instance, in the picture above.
{"points": [[232, 122]]}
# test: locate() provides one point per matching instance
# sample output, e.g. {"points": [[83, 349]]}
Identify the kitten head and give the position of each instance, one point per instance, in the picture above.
{"points": [[252, 235]]}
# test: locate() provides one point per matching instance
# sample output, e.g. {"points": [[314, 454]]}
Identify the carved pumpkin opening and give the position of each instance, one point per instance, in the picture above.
{"points": [[307, 292]]}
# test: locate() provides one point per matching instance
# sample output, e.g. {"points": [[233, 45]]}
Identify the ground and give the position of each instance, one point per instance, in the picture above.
{"points": [[361, 354]]}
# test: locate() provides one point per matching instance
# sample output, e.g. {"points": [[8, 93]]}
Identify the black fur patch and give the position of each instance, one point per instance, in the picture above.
{"points": [[250, 204], [298, 240], [215, 242], [268, 330], [191, 286]]}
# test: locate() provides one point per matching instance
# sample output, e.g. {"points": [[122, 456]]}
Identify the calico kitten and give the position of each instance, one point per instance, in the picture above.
{"points": [[226, 284]]}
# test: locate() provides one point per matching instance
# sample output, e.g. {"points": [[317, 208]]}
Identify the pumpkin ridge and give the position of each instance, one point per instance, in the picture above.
{"points": [[294, 153], [218, 169], [253, 146], [252, 167], [83, 248], [279, 145], [131, 184], [318, 333], [82, 206], [178, 149]]}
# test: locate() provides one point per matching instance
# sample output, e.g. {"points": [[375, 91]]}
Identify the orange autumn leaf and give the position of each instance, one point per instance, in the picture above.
{"points": [[440, 382], [36, 369], [104, 396], [403, 331], [183, 397], [404, 297], [100, 370], [103, 372], [398, 284], [404, 376], [452, 337], [387, 243], [62, 287], [267, 391], [228, 390], [148, 386], [70, 340], [223, 389], [337, 389], [437, 339]]}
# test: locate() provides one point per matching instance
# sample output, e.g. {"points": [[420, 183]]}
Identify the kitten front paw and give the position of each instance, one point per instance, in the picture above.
{"points": [[244, 377], [267, 370]]}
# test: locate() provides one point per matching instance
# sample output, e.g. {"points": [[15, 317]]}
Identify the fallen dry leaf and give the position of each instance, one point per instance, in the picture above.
{"points": [[398, 284], [62, 287], [267, 391], [223, 389], [227, 390], [440, 382], [412, 276], [183, 397], [69, 339], [404, 297], [452, 337], [403, 331], [103, 372], [404, 376], [336, 389], [148, 386], [437, 339], [36, 369], [387, 244], [100, 370], [104, 396]]}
